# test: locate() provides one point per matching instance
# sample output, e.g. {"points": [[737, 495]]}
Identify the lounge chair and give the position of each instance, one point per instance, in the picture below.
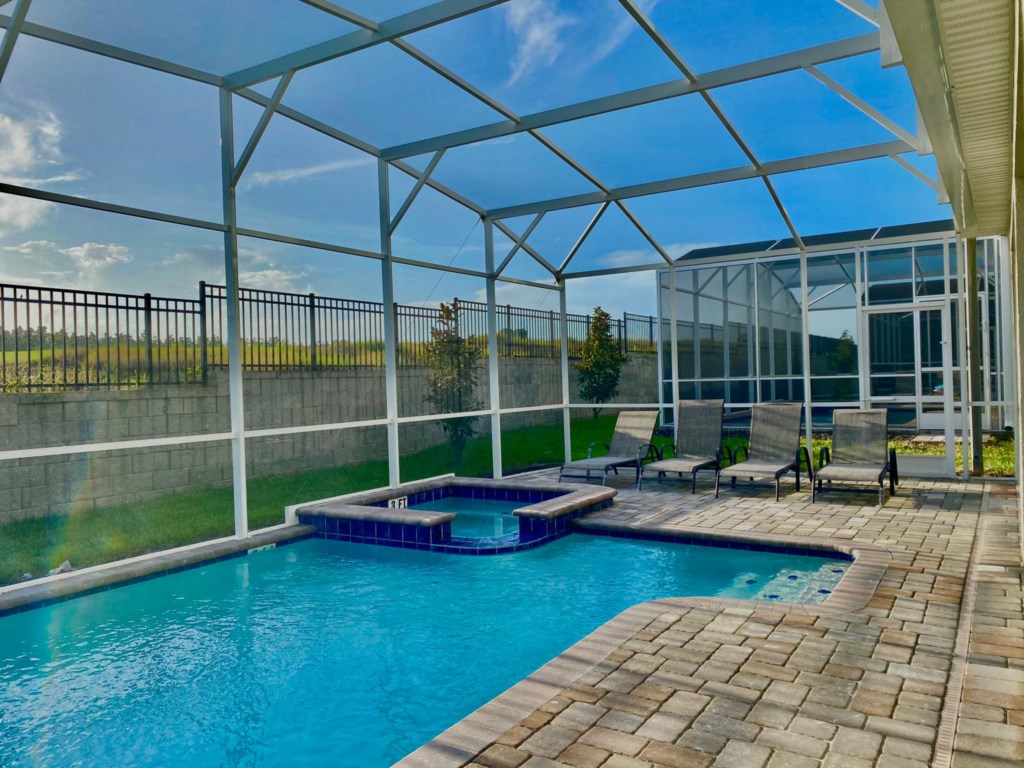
{"points": [[860, 451], [774, 446], [698, 443], [630, 445]]}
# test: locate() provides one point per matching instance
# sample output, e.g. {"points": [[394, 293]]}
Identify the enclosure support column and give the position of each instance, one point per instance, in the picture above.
{"points": [[492, 350], [673, 339], [11, 36], [805, 332], [566, 411], [390, 335], [974, 390], [227, 164]]}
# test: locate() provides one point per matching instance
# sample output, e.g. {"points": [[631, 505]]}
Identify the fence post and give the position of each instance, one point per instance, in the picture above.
{"points": [[551, 347], [508, 330], [650, 330], [312, 331], [202, 331], [147, 319], [623, 343]]}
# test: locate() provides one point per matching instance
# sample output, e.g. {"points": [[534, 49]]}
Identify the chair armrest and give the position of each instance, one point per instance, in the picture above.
{"points": [[746, 454], [824, 456], [802, 454], [590, 449], [647, 451]]}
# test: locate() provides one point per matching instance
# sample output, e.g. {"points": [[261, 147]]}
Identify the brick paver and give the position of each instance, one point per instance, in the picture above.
{"points": [[750, 684]]}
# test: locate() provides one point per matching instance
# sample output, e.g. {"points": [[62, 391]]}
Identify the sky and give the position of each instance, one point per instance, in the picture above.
{"points": [[80, 124]]}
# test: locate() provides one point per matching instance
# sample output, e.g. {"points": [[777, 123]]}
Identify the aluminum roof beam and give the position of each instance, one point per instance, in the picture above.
{"points": [[399, 26], [774, 65], [771, 168], [862, 9], [583, 237], [411, 198], [666, 47], [261, 127], [890, 125], [342, 13], [11, 35], [519, 243], [497, 106], [113, 52]]}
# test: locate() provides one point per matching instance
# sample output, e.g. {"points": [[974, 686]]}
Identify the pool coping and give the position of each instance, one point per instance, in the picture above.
{"points": [[466, 739], [547, 512], [39, 593]]}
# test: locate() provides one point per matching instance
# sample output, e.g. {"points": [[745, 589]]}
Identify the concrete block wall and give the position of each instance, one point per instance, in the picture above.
{"points": [[61, 485]]}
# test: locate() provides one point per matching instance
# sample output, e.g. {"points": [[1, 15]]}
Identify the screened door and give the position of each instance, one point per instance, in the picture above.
{"points": [[909, 369]]}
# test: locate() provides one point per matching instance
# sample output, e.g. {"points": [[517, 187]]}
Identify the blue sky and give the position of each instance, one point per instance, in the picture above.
{"points": [[80, 124]]}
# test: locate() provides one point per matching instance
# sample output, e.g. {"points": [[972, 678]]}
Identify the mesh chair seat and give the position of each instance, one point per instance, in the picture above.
{"points": [[860, 451], [681, 464], [698, 443], [854, 472], [757, 469], [774, 445], [630, 440], [599, 463]]}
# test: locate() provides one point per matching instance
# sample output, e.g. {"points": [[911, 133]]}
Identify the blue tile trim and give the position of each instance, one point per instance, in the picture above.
{"points": [[533, 531], [144, 577], [710, 541], [520, 495]]}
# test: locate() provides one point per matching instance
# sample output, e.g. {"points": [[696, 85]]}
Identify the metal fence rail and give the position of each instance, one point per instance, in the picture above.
{"points": [[57, 338], [60, 338]]}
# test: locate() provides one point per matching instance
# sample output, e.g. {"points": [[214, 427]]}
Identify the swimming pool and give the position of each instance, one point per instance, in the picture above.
{"points": [[330, 653]]}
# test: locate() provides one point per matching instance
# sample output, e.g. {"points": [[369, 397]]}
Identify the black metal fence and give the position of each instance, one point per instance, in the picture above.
{"points": [[57, 338]]}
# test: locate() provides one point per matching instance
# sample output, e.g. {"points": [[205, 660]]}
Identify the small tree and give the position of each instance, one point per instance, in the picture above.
{"points": [[451, 380], [600, 364]]}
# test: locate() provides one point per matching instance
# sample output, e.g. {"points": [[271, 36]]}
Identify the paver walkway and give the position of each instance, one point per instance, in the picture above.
{"points": [[753, 686]]}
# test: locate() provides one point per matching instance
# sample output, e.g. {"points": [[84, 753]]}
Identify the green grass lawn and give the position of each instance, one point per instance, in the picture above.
{"points": [[104, 535]]}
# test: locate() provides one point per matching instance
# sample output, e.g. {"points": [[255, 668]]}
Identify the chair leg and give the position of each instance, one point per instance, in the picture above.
{"points": [[813, 491], [693, 487], [639, 480], [777, 481], [718, 481], [881, 498], [798, 477]]}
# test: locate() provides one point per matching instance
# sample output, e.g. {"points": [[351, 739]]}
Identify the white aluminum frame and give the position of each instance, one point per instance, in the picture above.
{"points": [[392, 32]]}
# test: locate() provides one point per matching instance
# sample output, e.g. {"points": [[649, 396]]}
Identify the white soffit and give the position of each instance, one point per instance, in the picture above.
{"points": [[959, 55]]}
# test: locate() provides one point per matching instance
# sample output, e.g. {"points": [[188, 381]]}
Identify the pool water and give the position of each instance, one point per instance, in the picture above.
{"points": [[327, 653], [477, 518]]}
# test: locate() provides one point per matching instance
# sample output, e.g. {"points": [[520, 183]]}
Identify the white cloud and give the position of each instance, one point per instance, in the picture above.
{"points": [[537, 26], [33, 248], [30, 148], [20, 280], [284, 175], [90, 256], [634, 257], [26, 144], [271, 280], [17, 213], [30, 155], [618, 35]]}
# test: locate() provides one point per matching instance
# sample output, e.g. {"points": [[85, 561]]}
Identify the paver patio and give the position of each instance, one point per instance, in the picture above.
{"points": [[926, 673]]}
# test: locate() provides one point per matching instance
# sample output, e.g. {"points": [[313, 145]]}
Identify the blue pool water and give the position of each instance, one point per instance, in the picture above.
{"points": [[477, 518], [328, 653]]}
